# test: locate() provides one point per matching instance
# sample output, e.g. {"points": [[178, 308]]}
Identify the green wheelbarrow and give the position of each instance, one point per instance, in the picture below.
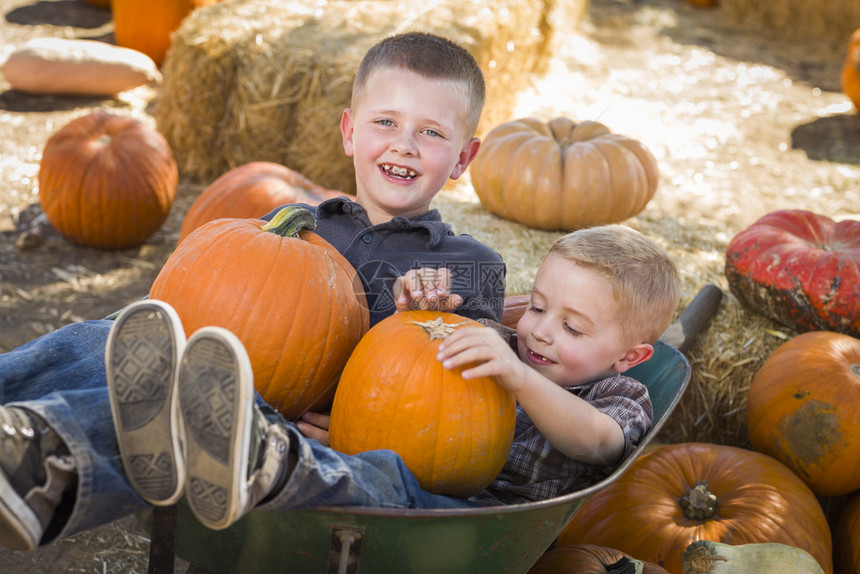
{"points": [[350, 540]]}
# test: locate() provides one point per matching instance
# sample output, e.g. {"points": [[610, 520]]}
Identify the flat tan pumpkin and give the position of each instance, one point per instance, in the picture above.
{"points": [[562, 174]]}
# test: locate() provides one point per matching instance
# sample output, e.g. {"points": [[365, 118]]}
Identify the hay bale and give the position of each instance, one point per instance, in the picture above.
{"points": [[825, 19], [267, 80]]}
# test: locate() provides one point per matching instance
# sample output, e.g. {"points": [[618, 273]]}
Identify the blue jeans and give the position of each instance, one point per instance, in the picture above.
{"points": [[61, 377]]}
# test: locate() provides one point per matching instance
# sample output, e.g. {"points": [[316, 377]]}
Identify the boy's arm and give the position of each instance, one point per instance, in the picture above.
{"points": [[569, 423]]}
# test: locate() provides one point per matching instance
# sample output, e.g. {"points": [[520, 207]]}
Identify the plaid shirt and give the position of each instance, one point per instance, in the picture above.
{"points": [[535, 470]]}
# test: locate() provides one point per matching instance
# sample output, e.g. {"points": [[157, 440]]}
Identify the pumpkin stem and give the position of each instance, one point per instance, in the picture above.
{"points": [[699, 556], [855, 369], [290, 220], [699, 503], [438, 328]]}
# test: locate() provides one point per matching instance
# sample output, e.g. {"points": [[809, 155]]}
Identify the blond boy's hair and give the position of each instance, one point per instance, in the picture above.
{"points": [[646, 285], [429, 56]]}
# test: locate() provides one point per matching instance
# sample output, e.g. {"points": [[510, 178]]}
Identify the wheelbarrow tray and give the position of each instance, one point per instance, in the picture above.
{"points": [[497, 540]]}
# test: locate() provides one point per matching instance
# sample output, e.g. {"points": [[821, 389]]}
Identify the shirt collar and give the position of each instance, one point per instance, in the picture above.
{"points": [[430, 222]]}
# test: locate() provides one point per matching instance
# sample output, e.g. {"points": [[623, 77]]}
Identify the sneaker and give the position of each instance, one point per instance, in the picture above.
{"points": [[35, 471], [141, 356], [234, 457]]}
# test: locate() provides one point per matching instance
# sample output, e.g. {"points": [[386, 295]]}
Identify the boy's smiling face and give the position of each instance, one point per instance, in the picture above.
{"points": [[571, 332], [407, 137]]}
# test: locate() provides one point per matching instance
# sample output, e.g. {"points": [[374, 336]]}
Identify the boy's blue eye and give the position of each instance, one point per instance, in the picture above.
{"points": [[385, 122], [433, 133]]}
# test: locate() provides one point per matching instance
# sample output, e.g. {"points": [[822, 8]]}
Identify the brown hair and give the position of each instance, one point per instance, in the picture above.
{"points": [[429, 56], [645, 282]]}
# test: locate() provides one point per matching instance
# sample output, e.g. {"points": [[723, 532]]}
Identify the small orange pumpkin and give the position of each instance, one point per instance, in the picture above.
{"points": [[453, 434], [679, 493], [292, 299], [252, 190], [851, 70], [590, 559], [147, 26], [562, 174], [107, 181], [803, 408]]}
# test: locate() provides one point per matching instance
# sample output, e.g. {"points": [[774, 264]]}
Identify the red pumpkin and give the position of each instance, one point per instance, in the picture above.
{"points": [[803, 408], [107, 181], [679, 493], [252, 190], [453, 434], [800, 269], [590, 559], [292, 299]]}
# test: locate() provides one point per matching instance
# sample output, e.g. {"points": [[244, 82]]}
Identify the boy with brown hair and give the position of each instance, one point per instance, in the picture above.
{"points": [[66, 465]]}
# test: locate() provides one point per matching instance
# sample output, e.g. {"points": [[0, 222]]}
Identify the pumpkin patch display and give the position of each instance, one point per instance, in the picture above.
{"points": [[292, 299], [252, 190], [107, 181], [453, 434], [851, 70], [147, 26], [562, 174], [679, 493], [803, 408], [590, 559], [800, 269]]}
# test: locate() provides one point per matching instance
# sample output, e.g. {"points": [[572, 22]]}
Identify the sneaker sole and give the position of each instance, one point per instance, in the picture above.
{"points": [[216, 399], [20, 528], [141, 356]]}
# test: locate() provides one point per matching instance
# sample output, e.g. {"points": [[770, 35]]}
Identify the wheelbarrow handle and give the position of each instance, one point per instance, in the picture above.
{"points": [[684, 330]]}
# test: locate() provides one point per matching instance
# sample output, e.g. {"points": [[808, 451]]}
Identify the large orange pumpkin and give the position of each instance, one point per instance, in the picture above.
{"points": [[252, 190], [107, 181], [800, 269], [291, 298], [146, 26], [562, 174], [851, 70], [590, 559], [846, 538], [679, 493], [453, 434], [803, 408]]}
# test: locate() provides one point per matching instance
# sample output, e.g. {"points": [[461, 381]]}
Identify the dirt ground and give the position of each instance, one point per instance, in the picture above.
{"points": [[749, 121]]}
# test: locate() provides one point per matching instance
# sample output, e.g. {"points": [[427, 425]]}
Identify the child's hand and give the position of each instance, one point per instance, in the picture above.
{"points": [[484, 348], [426, 289], [314, 425]]}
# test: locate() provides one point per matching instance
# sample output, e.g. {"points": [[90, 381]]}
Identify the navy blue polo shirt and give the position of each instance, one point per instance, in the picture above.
{"points": [[382, 253]]}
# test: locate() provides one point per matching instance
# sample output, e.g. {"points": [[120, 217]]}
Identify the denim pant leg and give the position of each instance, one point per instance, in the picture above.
{"points": [[61, 377], [326, 477]]}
